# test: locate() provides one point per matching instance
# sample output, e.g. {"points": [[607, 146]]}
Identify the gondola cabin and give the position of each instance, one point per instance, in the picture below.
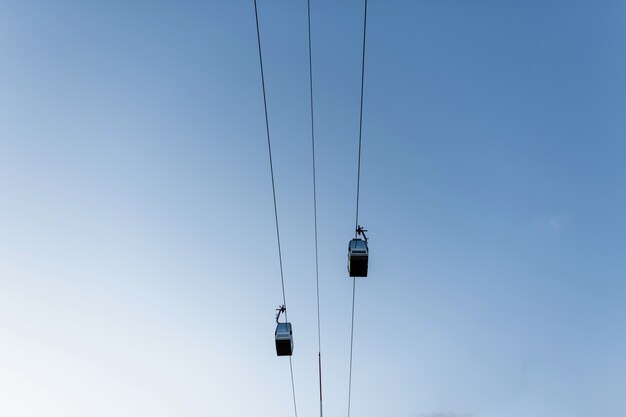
{"points": [[284, 339], [357, 258]]}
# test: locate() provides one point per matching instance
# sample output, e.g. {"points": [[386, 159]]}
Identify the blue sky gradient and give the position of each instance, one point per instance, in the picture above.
{"points": [[138, 263]]}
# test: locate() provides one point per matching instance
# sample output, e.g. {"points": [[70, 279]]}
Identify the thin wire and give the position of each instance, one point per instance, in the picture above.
{"points": [[358, 180], [317, 276], [358, 185], [293, 389], [269, 148], [351, 344]]}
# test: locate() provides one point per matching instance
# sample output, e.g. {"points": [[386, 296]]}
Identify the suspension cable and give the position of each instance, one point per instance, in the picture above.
{"points": [[358, 185], [317, 276], [358, 178], [351, 344], [269, 148], [293, 388]]}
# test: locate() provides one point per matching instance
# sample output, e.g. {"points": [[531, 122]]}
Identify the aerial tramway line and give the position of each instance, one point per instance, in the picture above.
{"points": [[283, 334], [358, 251]]}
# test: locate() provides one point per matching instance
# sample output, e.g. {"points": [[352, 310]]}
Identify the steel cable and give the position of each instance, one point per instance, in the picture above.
{"points": [[317, 276], [269, 148], [358, 187]]}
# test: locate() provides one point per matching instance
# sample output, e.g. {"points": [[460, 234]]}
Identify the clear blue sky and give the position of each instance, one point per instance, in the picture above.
{"points": [[138, 263]]}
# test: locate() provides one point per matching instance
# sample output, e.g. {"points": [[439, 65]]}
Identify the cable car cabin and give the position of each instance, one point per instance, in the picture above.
{"points": [[284, 339], [357, 258]]}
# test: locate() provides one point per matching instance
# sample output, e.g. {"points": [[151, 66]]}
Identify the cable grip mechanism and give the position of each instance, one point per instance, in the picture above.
{"points": [[280, 309], [361, 231]]}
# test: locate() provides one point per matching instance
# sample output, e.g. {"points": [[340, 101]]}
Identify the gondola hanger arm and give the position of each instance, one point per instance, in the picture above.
{"points": [[361, 231], [280, 309]]}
